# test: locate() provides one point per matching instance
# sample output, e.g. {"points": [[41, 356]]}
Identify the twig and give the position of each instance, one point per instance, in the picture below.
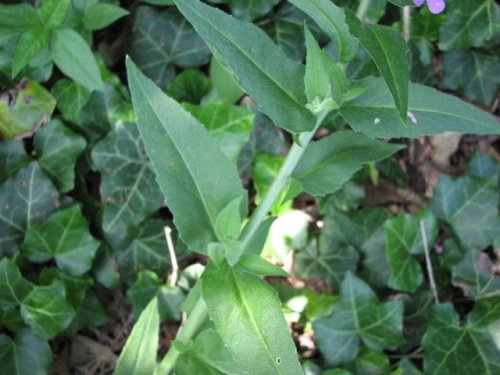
{"points": [[173, 258], [428, 262], [407, 23]]}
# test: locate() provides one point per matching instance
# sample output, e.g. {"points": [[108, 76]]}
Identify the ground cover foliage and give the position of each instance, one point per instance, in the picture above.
{"points": [[86, 189]]}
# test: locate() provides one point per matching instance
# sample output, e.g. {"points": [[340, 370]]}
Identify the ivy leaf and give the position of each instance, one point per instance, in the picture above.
{"points": [[229, 125], [27, 198], [13, 157], [474, 72], [208, 355], [469, 205], [249, 10], [57, 148], [358, 315], [262, 343], [47, 310], [224, 86], [369, 362], [406, 367], [24, 355], [162, 40], [475, 275], [14, 288], [331, 161], [190, 85], [148, 286], [374, 113], [451, 349], [470, 24], [71, 99], [31, 106], [273, 81], [128, 188], [331, 19], [404, 240], [195, 192], [64, 237], [73, 56]]}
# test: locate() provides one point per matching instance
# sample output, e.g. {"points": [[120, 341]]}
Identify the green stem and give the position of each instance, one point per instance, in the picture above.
{"points": [[195, 319], [362, 9], [199, 312]]}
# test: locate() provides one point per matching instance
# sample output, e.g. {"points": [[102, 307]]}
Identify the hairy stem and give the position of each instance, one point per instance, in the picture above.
{"points": [[199, 312]]}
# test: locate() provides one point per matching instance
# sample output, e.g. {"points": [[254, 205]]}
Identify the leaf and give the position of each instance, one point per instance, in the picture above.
{"points": [[374, 114], [64, 237], [358, 316], [272, 80], [29, 45], [470, 24], [26, 354], [53, 12], [76, 286], [229, 125], [18, 17], [389, 52], [208, 355], [128, 188], [450, 349], [406, 367], [369, 362], [255, 264], [71, 99], [249, 10], [73, 56], [469, 205], [476, 275], [138, 356], [27, 198], [162, 40], [474, 72], [147, 286], [331, 19], [58, 148], [189, 86], [31, 106], [13, 157], [262, 343], [148, 250], [14, 288], [325, 260], [404, 240], [224, 85], [328, 163], [195, 192], [47, 310], [100, 15]]}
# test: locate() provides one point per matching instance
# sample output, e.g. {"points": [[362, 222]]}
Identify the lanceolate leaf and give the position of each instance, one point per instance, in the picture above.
{"points": [[26, 198], [26, 354], [139, 354], [29, 45], [331, 19], [262, 343], [197, 188], [64, 237], [272, 80], [374, 113], [389, 52], [358, 316], [208, 355], [18, 17], [53, 12], [73, 56], [450, 349], [330, 162]]}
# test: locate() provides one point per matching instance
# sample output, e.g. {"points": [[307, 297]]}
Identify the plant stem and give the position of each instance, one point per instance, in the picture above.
{"points": [[186, 332], [362, 9], [279, 183], [199, 312], [428, 262]]}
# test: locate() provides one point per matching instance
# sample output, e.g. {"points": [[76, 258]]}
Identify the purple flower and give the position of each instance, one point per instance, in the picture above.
{"points": [[435, 6]]}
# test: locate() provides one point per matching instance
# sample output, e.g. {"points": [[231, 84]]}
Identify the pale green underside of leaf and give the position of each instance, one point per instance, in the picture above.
{"points": [[262, 343], [273, 81], [374, 113], [197, 188]]}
